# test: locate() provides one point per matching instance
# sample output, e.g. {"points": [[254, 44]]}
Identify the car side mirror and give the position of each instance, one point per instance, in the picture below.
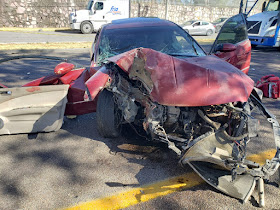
{"points": [[227, 47]]}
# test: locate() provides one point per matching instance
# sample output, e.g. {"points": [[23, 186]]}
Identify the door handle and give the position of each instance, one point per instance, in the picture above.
{"points": [[6, 92]]}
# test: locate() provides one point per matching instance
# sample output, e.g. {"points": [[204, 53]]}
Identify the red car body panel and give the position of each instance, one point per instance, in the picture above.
{"points": [[71, 76], [77, 105], [47, 80], [2, 86], [76, 78], [63, 68], [97, 82], [195, 81], [240, 58]]}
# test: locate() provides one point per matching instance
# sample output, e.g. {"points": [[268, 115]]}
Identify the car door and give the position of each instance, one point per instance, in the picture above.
{"points": [[32, 109], [232, 43], [205, 28]]}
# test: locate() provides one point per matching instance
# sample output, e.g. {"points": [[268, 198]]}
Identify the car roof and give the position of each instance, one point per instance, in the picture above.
{"points": [[138, 22]]}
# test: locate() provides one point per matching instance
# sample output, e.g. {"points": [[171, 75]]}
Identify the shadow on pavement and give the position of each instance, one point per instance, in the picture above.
{"points": [[69, 31]]}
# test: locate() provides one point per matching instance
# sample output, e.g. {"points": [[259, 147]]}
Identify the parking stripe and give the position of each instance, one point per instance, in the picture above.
{"points": [[148, 192]]}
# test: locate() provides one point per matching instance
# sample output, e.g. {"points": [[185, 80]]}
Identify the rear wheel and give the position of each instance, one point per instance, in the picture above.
{"points": [[108, 116], [86, 27], [209, 32]]}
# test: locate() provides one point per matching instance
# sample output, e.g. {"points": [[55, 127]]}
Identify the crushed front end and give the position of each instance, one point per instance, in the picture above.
{"points": [[201, 108]]}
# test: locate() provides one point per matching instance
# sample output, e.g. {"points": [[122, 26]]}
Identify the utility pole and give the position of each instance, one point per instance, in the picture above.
{"points": [[241, 7], [166, 9], [129, 9]]}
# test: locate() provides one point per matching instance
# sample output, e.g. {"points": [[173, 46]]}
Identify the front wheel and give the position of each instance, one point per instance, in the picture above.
{"points": [[108, 116], [86, 27], [209, 32]]}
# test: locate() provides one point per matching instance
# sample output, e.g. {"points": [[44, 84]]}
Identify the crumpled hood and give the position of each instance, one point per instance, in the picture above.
{"points": [[194, 81]]}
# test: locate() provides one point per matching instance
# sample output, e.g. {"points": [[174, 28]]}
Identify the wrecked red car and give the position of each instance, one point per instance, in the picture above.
{"points": [[151, 74]]}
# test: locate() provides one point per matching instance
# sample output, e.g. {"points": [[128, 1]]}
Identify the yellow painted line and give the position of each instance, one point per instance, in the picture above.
{"points": [[261, 157], [31, 29], [50, 45], [142, 194], [148, 192]]}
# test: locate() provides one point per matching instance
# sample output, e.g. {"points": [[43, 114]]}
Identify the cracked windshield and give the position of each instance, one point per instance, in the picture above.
{"points": [[169, 40]]}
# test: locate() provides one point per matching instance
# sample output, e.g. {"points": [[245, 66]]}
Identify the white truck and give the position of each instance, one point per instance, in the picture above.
{"points": [[263, 28], [98, 13]]}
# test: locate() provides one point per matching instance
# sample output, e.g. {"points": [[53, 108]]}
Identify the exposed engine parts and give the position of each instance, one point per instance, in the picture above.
{"points": [[211, 139]]}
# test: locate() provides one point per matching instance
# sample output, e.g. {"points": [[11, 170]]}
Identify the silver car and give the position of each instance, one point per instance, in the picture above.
{"points": [[219, 23], [196, 27]]}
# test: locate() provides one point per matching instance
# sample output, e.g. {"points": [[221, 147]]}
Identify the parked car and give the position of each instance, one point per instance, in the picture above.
{"points": [[195, 27], [219, 23], [152, 75]]}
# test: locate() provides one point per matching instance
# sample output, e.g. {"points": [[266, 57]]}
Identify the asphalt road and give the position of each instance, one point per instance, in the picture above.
{"points": [[44, 36], [60, 169]]}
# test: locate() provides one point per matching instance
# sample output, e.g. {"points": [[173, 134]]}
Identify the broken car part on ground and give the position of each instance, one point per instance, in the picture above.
{"points": [[200, 105]]}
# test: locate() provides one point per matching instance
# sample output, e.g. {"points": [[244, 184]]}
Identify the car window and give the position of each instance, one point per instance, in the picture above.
{"points": [[205, 23], [170, 40], [188, 23], [196, 24], [233, 31], [98, 6]]}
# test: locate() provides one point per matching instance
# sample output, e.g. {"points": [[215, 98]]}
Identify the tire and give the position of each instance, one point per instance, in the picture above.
{"points": [[108, 120], [86, 27], [209, 32]]}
